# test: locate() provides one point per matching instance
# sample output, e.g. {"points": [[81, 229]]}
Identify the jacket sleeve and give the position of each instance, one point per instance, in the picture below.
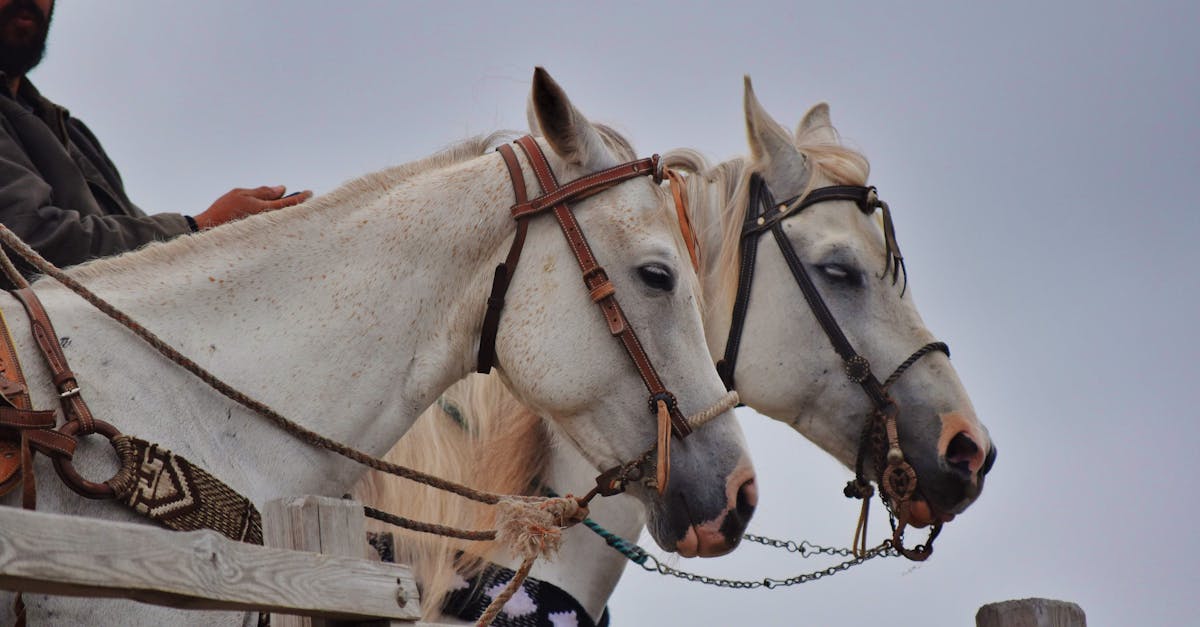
{"points": [[67, 235]]}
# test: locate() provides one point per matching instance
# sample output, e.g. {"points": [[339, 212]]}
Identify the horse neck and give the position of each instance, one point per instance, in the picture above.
{"points": [[352, 308]]}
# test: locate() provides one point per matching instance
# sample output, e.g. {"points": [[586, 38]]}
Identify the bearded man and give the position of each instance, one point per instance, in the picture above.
{"points": [[58, 189]]}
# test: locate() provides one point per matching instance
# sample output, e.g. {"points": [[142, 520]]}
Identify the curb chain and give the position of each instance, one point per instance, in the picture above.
{"points": [[804, 549]]}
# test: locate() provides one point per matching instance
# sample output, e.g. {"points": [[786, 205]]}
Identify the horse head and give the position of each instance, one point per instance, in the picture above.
{"points": [[598, 398], [849, 251]]}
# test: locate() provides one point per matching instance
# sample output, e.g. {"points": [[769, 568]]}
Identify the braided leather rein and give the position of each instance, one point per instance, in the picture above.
{"points": [[880, 437]]}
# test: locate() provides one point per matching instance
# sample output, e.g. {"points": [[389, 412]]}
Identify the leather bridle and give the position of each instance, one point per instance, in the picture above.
{"points": [[880, 439], [555, 199]]}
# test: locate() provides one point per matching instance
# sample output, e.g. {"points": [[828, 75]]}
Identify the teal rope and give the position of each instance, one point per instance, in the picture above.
{"points": [[631, 551]]}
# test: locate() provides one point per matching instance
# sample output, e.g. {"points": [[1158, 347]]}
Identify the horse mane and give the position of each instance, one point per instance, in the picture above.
{"points": [[477, 434], [356, 190]]}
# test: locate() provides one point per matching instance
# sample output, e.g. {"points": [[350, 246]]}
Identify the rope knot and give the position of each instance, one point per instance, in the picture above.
{"points": [[534, 529]]}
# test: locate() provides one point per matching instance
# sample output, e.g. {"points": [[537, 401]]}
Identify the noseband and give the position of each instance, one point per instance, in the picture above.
{"points": [[554, 199], [897, 479]]}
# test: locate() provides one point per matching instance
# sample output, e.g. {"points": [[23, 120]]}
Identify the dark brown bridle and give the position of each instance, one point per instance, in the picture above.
{"points": [[554, 199], [897, 479]]}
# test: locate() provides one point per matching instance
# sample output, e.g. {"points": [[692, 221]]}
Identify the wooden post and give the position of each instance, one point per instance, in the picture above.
{"points": [[321, 524], [1031, 613]]}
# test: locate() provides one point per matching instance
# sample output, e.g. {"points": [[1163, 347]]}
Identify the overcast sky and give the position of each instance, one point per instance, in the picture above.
{"points": [[1041, 160]]}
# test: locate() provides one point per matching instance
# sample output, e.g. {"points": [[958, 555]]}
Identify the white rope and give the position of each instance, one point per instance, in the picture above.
{"points": [[727, 402]]}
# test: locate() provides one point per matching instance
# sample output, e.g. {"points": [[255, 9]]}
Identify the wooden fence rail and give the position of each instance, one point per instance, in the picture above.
{"points": [[314, 571], [70, 555]]}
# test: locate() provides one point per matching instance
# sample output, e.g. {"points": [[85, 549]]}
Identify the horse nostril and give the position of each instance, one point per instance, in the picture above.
{"points": [[735, 521], [961, 451], [988, 461], [747, 499]]}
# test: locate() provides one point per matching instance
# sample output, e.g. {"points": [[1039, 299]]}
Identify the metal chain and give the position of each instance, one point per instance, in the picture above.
{"points": [[804, 548]]}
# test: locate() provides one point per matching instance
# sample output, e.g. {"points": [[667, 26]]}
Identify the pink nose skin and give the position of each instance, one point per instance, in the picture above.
{"points": [[721, 535], [962, 444]]}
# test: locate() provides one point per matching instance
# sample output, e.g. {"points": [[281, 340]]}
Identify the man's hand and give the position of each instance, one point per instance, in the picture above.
{"points": [[239, 203]]}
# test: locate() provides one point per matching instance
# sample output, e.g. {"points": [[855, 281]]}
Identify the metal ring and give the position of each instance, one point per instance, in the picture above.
{"points": [[66, 468], [660, 172], [666, 397]]}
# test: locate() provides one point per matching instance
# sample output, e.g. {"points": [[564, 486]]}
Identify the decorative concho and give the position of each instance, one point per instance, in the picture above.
{"points": [[857, 368], [899, 481]]}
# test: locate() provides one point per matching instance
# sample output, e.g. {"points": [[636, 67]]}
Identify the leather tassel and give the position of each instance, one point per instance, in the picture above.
{"points": [[859, 545], [662, 471]]}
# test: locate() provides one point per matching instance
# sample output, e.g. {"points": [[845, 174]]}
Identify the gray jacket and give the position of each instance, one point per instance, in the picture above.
{"points": [[60, 192]]}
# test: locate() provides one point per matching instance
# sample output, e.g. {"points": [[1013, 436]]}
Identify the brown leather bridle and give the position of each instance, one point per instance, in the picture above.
{"points": [[880, 438], [555, 199]]}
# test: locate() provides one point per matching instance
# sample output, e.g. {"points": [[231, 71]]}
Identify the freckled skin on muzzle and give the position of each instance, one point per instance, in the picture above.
{"points": [[694, 523]]}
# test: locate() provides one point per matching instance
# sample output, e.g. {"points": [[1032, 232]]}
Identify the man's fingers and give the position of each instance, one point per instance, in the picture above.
{"points": [[266, 192], [290, 200]]}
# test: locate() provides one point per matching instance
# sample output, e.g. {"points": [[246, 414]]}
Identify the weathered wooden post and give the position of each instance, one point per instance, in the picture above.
{"points": [[321, 524], [1031, 613]]}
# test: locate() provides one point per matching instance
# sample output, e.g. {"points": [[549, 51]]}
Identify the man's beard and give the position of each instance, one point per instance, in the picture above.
{"points": [[22, 46]]}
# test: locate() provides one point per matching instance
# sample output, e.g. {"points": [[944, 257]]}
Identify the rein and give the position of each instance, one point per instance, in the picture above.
{"points": [[896, 477]]}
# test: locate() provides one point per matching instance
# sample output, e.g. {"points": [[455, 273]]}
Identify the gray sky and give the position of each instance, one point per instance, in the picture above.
{"points": [[1039, 157]]}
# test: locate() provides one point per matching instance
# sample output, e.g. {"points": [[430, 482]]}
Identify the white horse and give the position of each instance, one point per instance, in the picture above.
{"points": [[787, 369], [352, 312]]}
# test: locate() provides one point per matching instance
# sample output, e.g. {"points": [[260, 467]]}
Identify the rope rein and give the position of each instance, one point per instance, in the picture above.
{"points": [[531, 526]]}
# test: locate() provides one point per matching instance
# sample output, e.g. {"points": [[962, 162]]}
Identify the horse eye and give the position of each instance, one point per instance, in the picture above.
{"points": [[841, 274], [657, 277]]}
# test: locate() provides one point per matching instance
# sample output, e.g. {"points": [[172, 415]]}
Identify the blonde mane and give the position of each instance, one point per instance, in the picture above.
{"points": [[480, 435]]}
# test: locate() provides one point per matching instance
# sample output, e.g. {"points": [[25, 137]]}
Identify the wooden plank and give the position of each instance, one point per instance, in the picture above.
{"points": [[318, 524], [75, 556], [1031, 613]]}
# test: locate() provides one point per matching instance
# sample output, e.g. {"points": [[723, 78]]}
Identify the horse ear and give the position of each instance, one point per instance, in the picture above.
{"points": [[770, 144], [531, 118], [569, 134], [816, 126]]}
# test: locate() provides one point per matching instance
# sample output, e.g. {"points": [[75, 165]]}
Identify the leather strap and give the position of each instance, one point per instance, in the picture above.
{"points": [[727, 365], [495, 303], [14, 395], [679, 193], [594, 277], [581, 188], [74, 408], [764, 214]]}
